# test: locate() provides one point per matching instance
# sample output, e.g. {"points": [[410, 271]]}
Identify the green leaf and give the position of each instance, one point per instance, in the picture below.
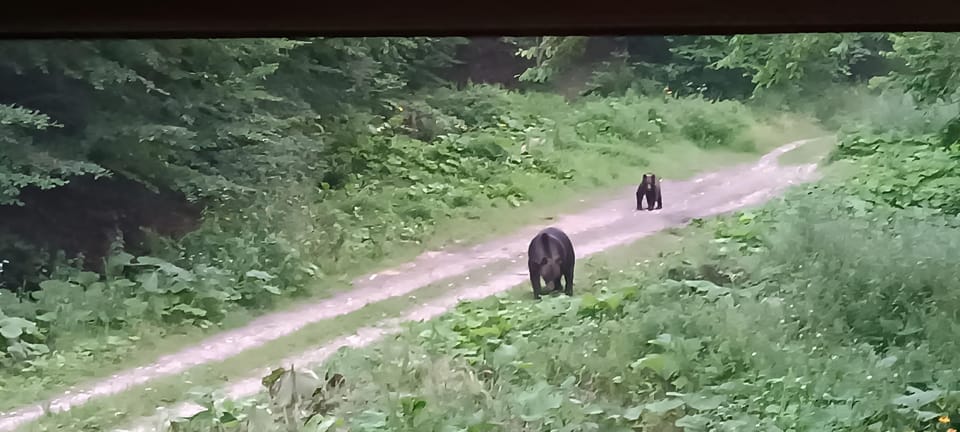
{"points": [[322, 424], [662, 364], [918, 399], [537, 403], [887, 362], [189, 310], [504, 354], [56, 285], [135, 307], [633, 413], [693, 423], [47, 317], [150, 282], [711, 290], [412, 405], [257, 274], [10, 331], [663, 406], [86, 278], [704, 403], [14, 327]]}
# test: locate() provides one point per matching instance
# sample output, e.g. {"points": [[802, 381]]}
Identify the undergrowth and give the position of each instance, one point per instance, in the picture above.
{"points": [[441, 156], [833, 308], [769, 333]]}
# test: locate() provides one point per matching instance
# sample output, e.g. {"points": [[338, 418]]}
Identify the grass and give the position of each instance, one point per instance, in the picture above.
{"points": [[815, 326], [141, 401], [642, 254], [606, 176], [682, 160], [818, 329]]}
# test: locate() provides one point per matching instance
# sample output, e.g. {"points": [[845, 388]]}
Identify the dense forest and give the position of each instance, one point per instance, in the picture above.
{"points": [[158, 188]]}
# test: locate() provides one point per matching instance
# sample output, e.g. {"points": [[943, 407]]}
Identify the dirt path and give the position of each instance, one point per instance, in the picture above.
{"points": [[592, 230]]}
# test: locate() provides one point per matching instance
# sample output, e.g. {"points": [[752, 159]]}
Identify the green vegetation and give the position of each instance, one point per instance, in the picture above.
{"points": [[141, 401], [833, 308], [152, 192]]}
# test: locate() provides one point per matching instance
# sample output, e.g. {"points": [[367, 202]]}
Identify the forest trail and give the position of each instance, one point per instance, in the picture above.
{"points": [[612, 223]]}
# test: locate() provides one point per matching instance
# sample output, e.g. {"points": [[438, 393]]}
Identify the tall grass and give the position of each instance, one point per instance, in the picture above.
{"points": [[836, 318]]}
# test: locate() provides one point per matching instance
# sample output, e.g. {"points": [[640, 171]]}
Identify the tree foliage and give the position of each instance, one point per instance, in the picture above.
{"points": [[552, 54], [208, 118], [643, 63], [786, 61], [927, 64], [714, 65]]}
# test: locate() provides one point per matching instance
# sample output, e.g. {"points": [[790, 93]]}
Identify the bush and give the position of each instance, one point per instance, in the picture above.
{"points": [[814, 338], [833, 312], [447, 153]]}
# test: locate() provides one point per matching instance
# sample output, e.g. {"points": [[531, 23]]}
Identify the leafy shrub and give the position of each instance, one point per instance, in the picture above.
{"points": [[719, 127], [841, 316], [709, 357], [872, 275], [446, 152], [902, 170]]}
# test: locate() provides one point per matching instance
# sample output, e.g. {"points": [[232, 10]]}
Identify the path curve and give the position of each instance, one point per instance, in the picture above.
{"points": [[611, 223]]}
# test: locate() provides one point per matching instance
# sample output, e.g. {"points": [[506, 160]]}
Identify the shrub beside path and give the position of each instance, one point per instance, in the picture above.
{"points": [[612, 223]]}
